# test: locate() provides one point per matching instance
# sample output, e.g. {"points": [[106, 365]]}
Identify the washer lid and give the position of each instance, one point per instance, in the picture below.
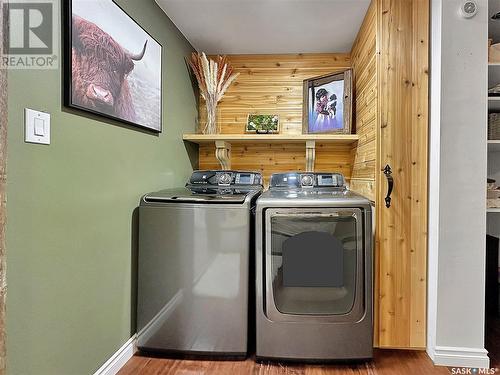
{"points": [[200, 194]]}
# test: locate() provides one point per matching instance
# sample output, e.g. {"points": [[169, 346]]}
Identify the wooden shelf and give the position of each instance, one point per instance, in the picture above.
{"points": [[494, 64], [272, 138], [493, 210], [223, 143]]}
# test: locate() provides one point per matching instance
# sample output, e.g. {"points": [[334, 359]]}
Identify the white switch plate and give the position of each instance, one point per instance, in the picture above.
{"points": [[36, 126]]}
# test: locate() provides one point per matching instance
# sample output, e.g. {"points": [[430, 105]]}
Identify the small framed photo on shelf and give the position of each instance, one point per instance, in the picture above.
{"points": [[262, 124], [327, 106]]}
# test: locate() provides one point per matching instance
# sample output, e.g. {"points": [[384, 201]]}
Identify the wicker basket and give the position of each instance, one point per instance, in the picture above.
{"points": [[492, 203], [494, 126]]}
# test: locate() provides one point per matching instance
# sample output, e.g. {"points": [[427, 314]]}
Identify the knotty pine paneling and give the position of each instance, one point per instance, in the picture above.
{"points": [[364, 66], [272, 84], [401, 233], [271, 158]]}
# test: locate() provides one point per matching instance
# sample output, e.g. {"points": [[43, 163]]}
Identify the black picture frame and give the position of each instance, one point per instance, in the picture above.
{"points": [[311, 85], [67, 33]]}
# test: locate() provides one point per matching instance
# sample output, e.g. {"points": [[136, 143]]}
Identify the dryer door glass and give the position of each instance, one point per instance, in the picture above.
{"points": [[314, 261]]}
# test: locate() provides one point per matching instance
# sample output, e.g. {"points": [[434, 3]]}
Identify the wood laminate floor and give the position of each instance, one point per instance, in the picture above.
{"points": [[386, 362]]}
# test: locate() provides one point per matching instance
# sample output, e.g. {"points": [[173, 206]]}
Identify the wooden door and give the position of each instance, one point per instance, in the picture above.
{"points": [[401, 235]]}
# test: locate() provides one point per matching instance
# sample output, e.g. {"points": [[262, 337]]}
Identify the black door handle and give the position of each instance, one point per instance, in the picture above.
{"points": [[390, 185]]}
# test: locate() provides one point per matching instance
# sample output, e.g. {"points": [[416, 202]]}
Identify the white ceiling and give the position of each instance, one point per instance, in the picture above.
{"points": [[267, 26]]}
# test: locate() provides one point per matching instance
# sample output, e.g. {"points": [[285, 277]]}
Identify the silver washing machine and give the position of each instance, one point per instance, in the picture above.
{"points": [[195, 249], [313, 270]]}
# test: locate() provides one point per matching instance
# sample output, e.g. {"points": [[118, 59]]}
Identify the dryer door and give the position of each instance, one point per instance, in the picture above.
{"points": [[314, 264]]}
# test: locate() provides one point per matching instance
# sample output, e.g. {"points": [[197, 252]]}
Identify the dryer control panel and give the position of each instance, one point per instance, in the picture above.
{"points": [[330, 179], [307, 180]]}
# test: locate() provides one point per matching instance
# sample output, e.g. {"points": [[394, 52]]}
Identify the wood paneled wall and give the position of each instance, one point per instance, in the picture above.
{"points": [[401, 235], [272, 84], [276, 157], [364, 66]]}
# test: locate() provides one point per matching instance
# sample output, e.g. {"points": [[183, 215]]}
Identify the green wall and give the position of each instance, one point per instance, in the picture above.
{"points": [[70, 213]]}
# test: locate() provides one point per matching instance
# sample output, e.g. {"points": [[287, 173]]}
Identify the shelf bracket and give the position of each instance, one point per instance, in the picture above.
{"points": [[223, 154], [310, 155]]}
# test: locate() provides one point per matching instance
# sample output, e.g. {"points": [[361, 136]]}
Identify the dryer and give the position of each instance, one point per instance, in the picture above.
{"points": [[313, 270], [195, 252]]}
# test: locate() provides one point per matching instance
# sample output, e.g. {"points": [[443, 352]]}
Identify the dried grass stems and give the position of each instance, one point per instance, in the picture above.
{"points": [[214, 77]]}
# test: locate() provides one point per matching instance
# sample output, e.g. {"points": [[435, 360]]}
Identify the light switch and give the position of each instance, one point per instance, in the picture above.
{"points": [[39, 127], [36, 126]]}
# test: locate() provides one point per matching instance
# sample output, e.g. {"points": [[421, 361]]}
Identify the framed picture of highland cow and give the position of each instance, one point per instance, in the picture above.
{"points": [[327, 104], [112, 66]]}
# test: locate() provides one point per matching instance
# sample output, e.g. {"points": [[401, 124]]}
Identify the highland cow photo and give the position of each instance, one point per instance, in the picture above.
{"points": [[113, 66]]}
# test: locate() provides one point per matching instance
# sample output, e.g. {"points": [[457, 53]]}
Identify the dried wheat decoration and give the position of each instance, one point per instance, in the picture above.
{"points": [[214, 77]]}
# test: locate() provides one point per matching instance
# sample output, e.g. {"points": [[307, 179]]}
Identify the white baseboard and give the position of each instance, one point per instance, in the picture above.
{"points": [[459, 357], [118, 360]]}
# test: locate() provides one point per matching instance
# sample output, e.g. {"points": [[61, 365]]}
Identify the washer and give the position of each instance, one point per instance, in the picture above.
{"points": [[313, 270], [195, 248]]}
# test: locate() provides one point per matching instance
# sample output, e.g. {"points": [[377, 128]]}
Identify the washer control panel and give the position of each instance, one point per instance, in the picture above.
{"points": [[225, 178], [239, 178], [243, 178]]}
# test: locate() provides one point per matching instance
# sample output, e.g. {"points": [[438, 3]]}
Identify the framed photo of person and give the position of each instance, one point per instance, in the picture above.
{"points": [[112, 66], [327, 106]]}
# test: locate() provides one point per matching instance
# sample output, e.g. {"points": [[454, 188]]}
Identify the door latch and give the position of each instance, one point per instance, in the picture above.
{"points": [[390, 185]]}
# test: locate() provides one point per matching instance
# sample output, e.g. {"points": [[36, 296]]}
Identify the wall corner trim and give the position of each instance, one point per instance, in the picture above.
{"points": [[118, 360], [459, 357]]}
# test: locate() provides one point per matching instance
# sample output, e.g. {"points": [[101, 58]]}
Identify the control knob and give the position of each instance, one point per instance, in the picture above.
{"points": [[307, 180], [225, 179]]}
